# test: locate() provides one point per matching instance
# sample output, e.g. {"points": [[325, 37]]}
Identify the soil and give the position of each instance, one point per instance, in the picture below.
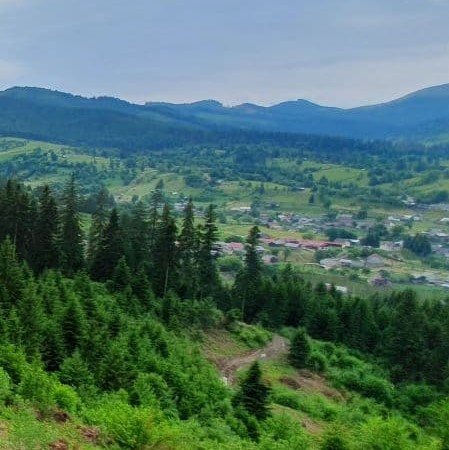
{"points": [[228, 366]]}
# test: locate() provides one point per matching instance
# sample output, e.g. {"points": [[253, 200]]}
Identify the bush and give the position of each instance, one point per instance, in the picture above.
{"points": [[317, 362], [66, 398], [285, 398], [252, 335], [127, 426], [5, 385]]}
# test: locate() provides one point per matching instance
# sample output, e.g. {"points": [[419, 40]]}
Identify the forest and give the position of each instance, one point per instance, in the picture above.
{"points": [[102, 332]]}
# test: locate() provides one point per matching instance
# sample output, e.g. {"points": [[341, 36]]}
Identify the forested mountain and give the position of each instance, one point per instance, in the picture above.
{"points": [[110, 122]]}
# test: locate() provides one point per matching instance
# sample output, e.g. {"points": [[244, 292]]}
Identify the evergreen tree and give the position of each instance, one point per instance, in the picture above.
{"points": [[139, 236], [121, 277], [32, 318], [207, 268], [73, 326], [164, 270], [249, 280], [12, 280], [300, 349], [47, 252], [109, 251], [99, 222], [253, 393], [72, 247], [188, 252], [405, 338]]}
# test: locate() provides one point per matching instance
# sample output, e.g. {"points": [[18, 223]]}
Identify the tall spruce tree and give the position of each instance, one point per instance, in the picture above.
{"points": [[47, 251], [110, 250], [207, 267], [72, 238], [248, 282], [99, 222], [253, 393], [300, 349], [164, 255], [188, 253]]}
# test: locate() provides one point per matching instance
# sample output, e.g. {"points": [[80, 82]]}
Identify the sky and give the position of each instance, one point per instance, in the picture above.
{"points": [[333, 52]]}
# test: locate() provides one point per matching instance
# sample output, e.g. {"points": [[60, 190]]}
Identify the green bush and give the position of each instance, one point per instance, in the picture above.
{"points": [[286, 398], [129, 427], [66, 398], [5, 385], [317, 362]]}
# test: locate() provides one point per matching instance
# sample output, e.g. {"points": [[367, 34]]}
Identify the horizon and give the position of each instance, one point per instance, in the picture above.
{"points": [[146, 102], [347, 54]]}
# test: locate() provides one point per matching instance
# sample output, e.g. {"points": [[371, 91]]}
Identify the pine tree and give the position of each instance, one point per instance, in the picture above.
{"points": [[74, 326], [405, 344], [99, 222], [72, 246], [139, 236], [47, 252], [12, 280], [188, 252], [300, 349], [121, 277], [248, 281], [110, 250], [164, 273], [32, 318], [254, 393], [208, 274]]}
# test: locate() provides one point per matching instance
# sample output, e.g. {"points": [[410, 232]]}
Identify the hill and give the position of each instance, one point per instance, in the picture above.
{"points": [[111, 122]]}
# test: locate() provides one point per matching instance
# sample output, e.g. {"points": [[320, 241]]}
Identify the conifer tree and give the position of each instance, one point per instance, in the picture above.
{"points": [[207, 267], [72, 247], [188, 252], [405, 338], [139, 236], [47, 252], [121, 277], [300, 349], [248, 281], [164, 273], [253, 393], [99, 222], [110, 249], [12, 280], [74, 326]]}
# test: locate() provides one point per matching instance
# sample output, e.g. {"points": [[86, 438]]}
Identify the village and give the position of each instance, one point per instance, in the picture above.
{"points": [[381, 266]]}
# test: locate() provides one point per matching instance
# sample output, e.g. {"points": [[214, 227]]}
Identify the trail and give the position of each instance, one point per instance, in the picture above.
{"points": [[228, 366]]}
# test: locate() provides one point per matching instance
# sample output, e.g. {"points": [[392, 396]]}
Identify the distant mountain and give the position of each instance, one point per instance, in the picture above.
{"points": [[420, 114], [111, 122]]}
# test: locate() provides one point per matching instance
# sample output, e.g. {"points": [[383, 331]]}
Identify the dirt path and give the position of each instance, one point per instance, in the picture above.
{"points": [[230, 365]]}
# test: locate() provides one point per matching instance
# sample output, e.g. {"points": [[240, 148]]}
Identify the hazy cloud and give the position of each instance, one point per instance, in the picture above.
{"points": [[344, 53]]}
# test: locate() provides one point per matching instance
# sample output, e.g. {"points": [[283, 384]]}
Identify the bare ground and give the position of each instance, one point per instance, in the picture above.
{"points": [[228, 366]]}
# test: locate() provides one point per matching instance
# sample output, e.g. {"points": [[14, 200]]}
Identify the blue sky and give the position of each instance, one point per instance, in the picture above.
{"points": [[334, 52]]}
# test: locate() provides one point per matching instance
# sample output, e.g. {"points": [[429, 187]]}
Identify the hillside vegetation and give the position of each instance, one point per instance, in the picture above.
{"points": [[121, 346]]}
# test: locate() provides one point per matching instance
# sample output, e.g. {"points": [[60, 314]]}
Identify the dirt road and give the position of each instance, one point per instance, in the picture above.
{"points": [[228, 366]]}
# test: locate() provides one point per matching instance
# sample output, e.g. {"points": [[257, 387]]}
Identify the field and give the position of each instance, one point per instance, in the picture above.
{"points": [[243, 202]]}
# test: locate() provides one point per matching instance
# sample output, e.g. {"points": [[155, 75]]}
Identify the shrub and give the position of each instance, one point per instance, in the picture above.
{"points": [[317, 362], [5, 385]]}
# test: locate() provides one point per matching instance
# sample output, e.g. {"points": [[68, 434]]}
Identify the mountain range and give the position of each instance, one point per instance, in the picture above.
{"points": [[107, 122]]}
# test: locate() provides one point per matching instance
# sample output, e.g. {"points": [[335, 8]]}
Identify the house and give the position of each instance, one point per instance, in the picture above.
{"points": [[343, 242]]}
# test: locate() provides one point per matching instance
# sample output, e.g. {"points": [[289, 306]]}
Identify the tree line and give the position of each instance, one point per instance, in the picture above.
{"points": [[145, 255]]}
